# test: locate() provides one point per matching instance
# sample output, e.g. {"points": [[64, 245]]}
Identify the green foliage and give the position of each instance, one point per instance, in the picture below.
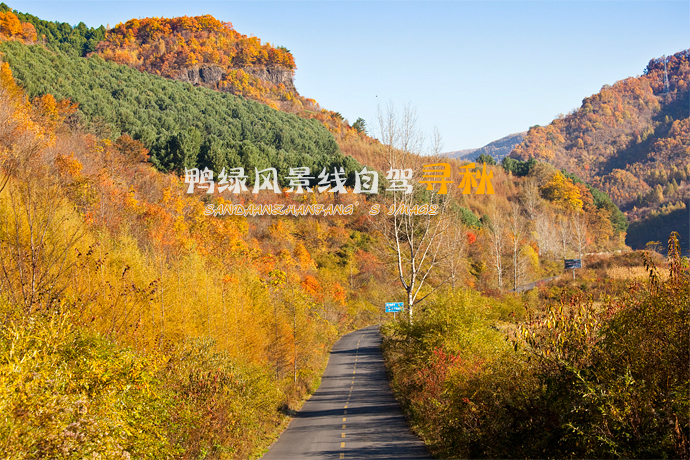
{"points": [[484, 158], [360, 125], [182, 125], [517, 167], [469, 218], [60, 36]]}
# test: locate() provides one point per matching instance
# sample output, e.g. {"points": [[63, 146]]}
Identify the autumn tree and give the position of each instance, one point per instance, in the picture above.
{"points": [[11, 26], [580, 238], [545, 233], [531, 199], [562, 192], [360, 125], [38, 227], [564, 234], [497, 236], [516, 232], [456, 242]]}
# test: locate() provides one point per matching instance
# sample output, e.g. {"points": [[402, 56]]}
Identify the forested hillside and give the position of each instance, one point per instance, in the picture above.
{"points": [[206, 51], [182, 126], [631, 140], [200, 50], [142, 327], [59, 36]]}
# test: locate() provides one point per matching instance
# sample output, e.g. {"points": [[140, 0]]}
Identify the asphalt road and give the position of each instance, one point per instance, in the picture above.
{"points": [[353, 414]]}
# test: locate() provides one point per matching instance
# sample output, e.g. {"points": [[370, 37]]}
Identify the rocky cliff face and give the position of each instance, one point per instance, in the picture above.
{"points": [[275, 75], [211, 75]]}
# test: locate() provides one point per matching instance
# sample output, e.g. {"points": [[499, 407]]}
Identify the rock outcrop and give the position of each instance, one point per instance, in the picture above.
{"points": [[275, 75], [210, 75]]}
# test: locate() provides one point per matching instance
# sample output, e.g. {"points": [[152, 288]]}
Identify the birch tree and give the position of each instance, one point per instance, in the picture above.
{"points": [[497, 241], [564, 234], [418, 245], [531, 199], [578, 224], [516, 231]]}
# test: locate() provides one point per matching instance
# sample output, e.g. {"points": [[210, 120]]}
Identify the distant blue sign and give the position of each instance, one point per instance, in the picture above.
{"points": [[392, 307]]}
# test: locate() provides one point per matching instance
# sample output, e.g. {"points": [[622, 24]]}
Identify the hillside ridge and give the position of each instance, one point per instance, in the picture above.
{"points": [[498, 149], [631, 140]]}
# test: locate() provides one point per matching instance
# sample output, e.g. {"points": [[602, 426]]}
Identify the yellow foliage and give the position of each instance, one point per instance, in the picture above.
{"points": [[302, 257], [563, 192], [134, 259]]}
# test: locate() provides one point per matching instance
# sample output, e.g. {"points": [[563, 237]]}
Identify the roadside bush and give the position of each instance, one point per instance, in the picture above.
{"points": [[581, 381], [222, 409], [70, 394], [450, 343]]}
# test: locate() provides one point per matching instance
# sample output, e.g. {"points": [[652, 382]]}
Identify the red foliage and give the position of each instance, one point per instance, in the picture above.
{"points": [[471, 237]]}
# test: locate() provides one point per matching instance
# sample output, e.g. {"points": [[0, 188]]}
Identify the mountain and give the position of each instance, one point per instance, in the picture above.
{"points": [[205, 51], [497, 149], [199, 50], [181, 125], [459, 154], [631, 140]]}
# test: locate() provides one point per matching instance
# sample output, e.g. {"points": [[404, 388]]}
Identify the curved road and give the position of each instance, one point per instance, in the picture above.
{"points": [[353, 414]]}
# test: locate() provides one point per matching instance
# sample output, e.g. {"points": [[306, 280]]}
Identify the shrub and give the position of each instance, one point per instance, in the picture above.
{"points": [[67, 393], [582, 381]]}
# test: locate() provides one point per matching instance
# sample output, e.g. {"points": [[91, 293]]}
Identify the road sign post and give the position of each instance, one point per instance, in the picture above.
{"points": [[573, 264], [393, 307]]}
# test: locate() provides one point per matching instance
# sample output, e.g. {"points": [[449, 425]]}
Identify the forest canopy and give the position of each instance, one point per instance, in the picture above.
{"points": [[183, 126]]}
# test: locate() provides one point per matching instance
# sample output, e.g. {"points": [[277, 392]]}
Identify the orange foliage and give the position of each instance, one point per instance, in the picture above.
{"points": [[311, 286], [10, 24], [12, 27], [471, 237], [162, 45], [625, 136]]}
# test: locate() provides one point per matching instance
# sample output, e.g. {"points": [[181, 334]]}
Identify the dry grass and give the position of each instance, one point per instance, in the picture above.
{"points": [[621, 273]]}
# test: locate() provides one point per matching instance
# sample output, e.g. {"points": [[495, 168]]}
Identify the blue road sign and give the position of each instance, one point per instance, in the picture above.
{"points": [[392, 307]]}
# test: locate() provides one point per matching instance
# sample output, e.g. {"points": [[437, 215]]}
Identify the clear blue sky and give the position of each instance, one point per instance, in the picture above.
{"points": [[476, 70]]}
